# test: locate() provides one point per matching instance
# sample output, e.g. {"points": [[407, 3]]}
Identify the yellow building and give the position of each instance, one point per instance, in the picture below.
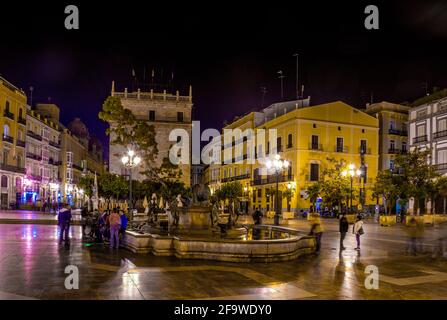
{"points": [[305, 136], [12, 144]]}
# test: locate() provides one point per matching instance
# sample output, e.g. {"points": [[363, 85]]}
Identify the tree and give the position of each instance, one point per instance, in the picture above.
{"points": [[112, 186], [415, 176], [231, 192], [385, 187], [313, 191], [86, 183], [332, 186]]}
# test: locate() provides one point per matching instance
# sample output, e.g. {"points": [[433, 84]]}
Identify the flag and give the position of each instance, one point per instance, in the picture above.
{"points": [[133, 72], [153, 73]]}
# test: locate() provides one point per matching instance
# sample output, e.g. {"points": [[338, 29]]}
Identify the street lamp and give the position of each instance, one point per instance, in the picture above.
{"points": [[130, 161], [351, 172], [278, 165]]}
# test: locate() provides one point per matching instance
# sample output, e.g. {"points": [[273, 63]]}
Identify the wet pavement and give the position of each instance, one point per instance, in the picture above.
{"points": [[32, 265]]}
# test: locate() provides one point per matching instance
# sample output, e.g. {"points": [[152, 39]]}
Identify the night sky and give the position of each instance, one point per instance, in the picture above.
{"points": [[226, 50]]}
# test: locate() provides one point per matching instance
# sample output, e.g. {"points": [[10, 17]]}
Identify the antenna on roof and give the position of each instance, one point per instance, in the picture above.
{"points": [[263, 91], [281, 79]]}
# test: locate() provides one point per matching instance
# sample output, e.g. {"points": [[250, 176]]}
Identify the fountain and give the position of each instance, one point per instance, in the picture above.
{"points": [[198, 232]]}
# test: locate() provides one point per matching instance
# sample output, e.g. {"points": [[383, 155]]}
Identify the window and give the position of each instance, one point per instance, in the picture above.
{"points": [[289, 171], [314, 171], [364, 173], [404, 147], [392, 145], [268, 148], [392, 124], [339, 145], [5, 130], [420, 130], [442, 156], [314, 125], [20, 113], [314, 145], [179, 138], [289, 141], [225, 173], [278, 144], [4, 182], [7, 106], [442, 125], [180, 116], [259, 193], [362, 146], [392, 165], [5, 156], [151, 115], [19, 161], [422, 113]]}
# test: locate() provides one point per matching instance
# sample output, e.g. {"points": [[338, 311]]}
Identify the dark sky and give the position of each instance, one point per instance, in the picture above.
{"points": [[226, 49]]}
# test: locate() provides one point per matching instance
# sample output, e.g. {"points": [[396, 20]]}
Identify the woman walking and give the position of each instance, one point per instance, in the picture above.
{"points": [[358, 230]]}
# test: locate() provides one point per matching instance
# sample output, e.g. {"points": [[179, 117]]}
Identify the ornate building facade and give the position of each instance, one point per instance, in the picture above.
{"points": [[165, 112], [12, 145]]}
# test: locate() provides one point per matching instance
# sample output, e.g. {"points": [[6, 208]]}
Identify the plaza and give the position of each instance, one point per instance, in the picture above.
{"points": [[32, 266]]}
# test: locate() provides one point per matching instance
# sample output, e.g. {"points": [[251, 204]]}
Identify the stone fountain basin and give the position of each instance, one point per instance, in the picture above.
{"points": [[221, 249]]}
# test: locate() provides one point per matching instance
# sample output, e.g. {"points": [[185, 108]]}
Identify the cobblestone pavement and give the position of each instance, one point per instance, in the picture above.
{"points": [[32, 266]]}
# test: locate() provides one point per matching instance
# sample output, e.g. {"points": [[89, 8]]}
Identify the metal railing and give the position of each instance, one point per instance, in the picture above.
{"points": [[7, 138], [420, 139], [341, 149], [34, 135], [20, 143], [315, 146], [9, 114], [240, 177], [440, 134], [33, 156], [22, 121], [54, 144], [8, 167], [271, 179]]}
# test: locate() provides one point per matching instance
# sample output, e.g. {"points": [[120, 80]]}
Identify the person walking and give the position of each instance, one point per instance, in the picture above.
{"points": [[316, 230], [358, 230], [64, 220], [343, 227], [115, 225]]}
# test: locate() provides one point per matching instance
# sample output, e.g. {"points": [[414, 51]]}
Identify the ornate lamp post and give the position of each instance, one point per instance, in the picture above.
{"points": [[130, 161], [278, 165], [351, 172]]}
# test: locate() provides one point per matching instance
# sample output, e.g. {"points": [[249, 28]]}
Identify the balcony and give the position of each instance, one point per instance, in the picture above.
{"points": [[54, 144], [7, 138], [440, 134], [20, 143], [34, 177], [8, 167], [363, 150], [33, 156], [341, 149], [21, 121], [271, 179], [396, 151], [9, 114], [289, 145], [315, 146], [34, 135], [398, 132], [75, 166], [420, 139], [441, 167], [240, 177], [54, 163]]}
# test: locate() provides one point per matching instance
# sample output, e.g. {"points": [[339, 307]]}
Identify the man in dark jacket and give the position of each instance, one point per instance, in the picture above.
{"points": [[257, 216], [344, 226], [64, 220]]}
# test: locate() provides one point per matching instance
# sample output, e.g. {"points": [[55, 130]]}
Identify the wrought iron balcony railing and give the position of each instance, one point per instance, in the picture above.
{"points": [[420, 139]]}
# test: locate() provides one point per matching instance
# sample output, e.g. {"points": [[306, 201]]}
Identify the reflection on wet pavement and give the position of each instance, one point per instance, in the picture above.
{"points": [[32, 265]]}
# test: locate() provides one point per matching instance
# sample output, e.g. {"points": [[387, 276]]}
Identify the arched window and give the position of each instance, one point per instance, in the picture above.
{"points": [[4, 181], [5, 130]]}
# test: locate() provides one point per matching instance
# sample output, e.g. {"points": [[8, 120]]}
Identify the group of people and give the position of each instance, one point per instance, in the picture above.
{"points": [[316, 230], [111, 225]]}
